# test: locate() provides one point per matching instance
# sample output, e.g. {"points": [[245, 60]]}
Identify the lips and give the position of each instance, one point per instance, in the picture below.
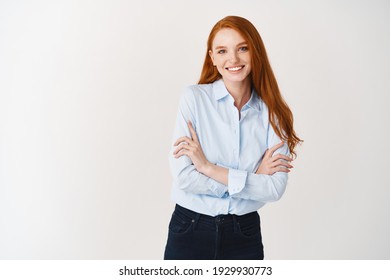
{"points": [[235, 68]]}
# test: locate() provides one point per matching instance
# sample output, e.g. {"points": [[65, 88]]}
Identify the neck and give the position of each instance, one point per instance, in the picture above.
{"points": [[240, 91]]}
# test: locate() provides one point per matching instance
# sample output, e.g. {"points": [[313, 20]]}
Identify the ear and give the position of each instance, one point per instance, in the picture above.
{"points": [[211, 56]]}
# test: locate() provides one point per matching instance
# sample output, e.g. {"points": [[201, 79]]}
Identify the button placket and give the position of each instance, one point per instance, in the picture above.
{"points": [[236, 151], [236, 136]]}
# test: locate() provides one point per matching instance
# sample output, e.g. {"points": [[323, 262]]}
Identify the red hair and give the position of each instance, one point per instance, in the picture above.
{"points": [[262, 77]]}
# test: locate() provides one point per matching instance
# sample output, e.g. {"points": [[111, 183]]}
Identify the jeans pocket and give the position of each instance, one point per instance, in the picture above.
{"points": [[249, 228], [180, 224]]}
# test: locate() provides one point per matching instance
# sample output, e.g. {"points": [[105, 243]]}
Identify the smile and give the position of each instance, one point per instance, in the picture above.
{"points": [[235, 69]]}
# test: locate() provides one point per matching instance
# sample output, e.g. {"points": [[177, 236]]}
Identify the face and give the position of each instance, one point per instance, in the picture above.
{"points": [[230, 54]]}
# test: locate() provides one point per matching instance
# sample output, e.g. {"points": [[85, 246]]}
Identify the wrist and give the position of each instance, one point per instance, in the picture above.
{"points": [[207, 168]]}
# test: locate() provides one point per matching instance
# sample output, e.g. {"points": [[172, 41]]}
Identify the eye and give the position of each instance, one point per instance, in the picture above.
{"points": [[243, 49], [222, 51]]}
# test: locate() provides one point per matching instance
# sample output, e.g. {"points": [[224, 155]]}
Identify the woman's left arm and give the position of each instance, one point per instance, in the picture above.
{"points": [[269, 181]]}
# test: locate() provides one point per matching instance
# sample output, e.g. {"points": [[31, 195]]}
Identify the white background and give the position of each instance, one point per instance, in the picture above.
{"points": [[88, 97]]}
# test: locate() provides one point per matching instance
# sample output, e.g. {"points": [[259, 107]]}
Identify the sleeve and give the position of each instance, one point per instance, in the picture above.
{"points": [[185, 175], [259, 187]]}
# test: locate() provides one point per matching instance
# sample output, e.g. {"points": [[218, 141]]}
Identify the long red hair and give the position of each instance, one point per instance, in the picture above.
{"points": [[262, 77]]}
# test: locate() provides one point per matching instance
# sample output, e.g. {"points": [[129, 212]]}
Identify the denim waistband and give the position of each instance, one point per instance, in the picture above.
{"points": [[227, 217]]}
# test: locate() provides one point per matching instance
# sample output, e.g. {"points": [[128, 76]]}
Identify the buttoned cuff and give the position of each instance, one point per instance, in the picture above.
{"points": [[219, 189], [236, 180]]}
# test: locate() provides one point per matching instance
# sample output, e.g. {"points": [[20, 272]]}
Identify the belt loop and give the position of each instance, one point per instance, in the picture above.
{"points": [[235, 222], [196, 219]]}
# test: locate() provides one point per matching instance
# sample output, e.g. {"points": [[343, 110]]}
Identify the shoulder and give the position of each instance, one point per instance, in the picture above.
{"points": [[263, 110], [198, 92], [199, 89]]}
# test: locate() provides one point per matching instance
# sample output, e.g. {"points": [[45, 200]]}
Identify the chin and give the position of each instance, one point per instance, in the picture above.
{"points": [[236, 79]]}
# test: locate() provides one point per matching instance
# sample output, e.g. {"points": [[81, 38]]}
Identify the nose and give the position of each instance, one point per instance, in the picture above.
{"points": [[233, 57]]}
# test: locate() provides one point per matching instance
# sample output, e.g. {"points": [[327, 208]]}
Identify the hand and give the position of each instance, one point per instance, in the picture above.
{"points": [[191, 148], [271, 164]]}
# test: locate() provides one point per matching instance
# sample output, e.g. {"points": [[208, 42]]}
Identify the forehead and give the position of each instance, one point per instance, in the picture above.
{"points": [[227, 37]]}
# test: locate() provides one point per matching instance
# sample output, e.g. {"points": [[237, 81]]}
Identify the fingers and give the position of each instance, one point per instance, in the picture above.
{"points": [[182, 151], [280, 169], [183, 139], [185, 149], [186, 145], [192, 131], [281, 163], [269, 152], [280, 156], [188, 140], [280, 160], [272, 150]]}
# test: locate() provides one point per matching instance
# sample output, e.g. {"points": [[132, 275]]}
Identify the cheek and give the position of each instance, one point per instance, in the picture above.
{"points": [[248, 62], [220, 69], [219, 63], [247, 57]]}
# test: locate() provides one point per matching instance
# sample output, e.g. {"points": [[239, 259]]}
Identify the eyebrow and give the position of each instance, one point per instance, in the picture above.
{"points": [[223, 47]]}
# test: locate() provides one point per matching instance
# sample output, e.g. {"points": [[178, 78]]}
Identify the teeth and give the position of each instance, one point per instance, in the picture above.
{"points": [[235, 68]]}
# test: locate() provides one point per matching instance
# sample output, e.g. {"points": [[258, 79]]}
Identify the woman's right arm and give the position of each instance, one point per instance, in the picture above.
{"points": [[186, 176]]}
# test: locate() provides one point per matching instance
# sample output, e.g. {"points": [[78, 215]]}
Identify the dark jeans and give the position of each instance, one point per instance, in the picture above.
{"points": [[194, 236]]}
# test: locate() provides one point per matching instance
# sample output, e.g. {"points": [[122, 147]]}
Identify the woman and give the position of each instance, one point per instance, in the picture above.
{"points": [[232, 144]]}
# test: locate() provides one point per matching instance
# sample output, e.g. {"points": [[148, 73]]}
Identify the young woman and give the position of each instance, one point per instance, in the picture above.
{"points": [[233, 146]]}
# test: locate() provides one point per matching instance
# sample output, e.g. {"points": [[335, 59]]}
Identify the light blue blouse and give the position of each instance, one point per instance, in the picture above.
{"points": [[229, 141]]}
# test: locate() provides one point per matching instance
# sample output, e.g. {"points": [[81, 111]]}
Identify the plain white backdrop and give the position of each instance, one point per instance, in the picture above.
{"points": [[88, 97]]}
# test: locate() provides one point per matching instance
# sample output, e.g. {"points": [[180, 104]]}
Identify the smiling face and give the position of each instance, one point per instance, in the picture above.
{"points": [[230, 54]]}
